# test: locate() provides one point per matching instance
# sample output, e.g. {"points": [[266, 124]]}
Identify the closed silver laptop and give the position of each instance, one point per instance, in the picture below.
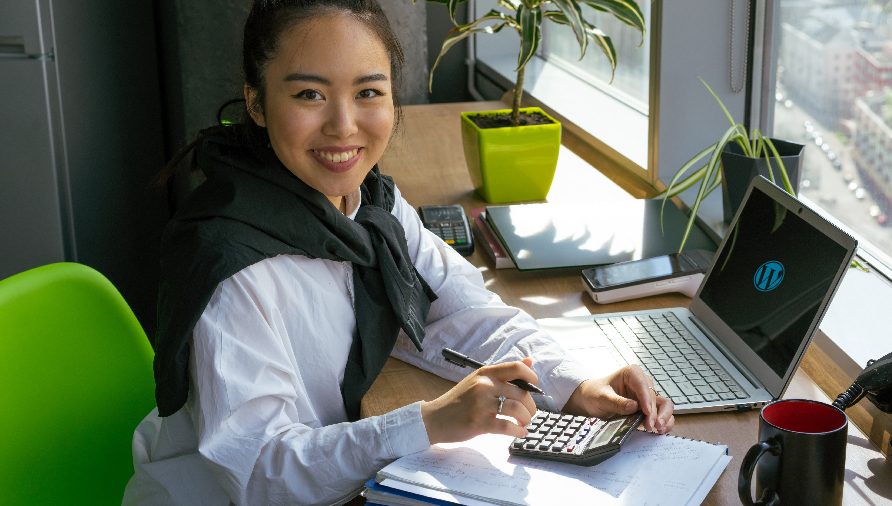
{"points": [[750, 322]]}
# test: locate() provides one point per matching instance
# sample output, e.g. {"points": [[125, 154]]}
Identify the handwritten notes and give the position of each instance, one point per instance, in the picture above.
{"points": [[650, 470]]}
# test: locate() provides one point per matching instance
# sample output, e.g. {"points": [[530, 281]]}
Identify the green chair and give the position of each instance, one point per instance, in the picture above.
{"points": [[75, 381]]}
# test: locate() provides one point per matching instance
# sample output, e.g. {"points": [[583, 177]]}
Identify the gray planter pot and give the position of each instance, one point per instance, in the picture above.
{"points": [[738, 171]]}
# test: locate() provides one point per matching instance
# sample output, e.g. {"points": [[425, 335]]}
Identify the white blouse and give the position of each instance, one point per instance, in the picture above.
{"points": [[265, 422]]}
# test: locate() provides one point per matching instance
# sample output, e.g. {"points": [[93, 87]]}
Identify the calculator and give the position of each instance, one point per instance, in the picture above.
{"points": [[450, 224], [579, 440]]}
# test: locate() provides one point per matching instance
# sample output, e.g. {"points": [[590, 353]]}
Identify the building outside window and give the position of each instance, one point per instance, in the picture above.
{"points": [[834, 93]]}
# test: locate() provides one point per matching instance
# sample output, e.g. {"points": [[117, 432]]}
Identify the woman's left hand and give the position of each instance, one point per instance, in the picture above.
{"points": [[624, 392]]}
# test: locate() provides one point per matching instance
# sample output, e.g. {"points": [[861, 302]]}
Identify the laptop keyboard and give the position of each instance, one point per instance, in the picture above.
{"points": [[682, 369]]}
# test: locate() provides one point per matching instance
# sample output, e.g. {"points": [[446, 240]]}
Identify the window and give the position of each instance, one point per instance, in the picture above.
{"points": [[578, 91], [631, 84], [846, 125]]}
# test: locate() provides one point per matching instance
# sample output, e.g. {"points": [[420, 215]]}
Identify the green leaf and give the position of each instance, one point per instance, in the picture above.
{"points": [[690, 163], [510, 4], [687, 183], [556, 16], [742, 141], [492, 15], [626, 11], [603, 41], [727, 114], [573, 14], [780, 163], [457, 34], [713, 166], [452, 5], [757, 136], [529, 19], [443, 2]]}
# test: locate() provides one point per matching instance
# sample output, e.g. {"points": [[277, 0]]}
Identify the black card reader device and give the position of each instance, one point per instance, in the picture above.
{"points": [[450, 224]]}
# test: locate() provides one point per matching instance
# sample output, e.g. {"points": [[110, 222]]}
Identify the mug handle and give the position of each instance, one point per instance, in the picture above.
{"points": [[745, 478]]}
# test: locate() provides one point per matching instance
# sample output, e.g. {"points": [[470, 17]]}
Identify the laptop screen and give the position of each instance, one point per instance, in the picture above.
{"points": [[769, 280]]}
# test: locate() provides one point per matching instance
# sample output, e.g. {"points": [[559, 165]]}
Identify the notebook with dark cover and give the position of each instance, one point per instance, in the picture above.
{"points": [[585, 234]]}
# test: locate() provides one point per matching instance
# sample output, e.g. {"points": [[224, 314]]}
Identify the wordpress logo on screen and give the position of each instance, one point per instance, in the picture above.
{"points": [[768, 276]]}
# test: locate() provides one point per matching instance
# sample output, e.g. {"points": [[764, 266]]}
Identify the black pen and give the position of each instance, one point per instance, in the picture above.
{"points": [[463, 361]]}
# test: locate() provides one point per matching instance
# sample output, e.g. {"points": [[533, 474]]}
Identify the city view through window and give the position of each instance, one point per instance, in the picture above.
{"points": [[834, 94]]}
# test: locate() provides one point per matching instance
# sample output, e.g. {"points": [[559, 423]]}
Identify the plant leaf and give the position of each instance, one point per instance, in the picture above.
{"points": [[762, 149], [457, 34], [556, 16], [716, 97], [626, 11], [701, 194], [604, 42], [492, 15], [783, 170], [684, 168], [687, 183], [529, 19], [573, 14], [510, 4]]}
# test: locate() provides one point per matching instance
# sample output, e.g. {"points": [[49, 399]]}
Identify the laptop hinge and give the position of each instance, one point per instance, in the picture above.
{"points": [[728, 355]]}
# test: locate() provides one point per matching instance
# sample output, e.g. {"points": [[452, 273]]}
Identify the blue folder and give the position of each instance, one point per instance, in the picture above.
{"points": [[372, 484]]}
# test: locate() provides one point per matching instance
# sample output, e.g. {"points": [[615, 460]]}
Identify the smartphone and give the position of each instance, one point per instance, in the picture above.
{"points": [[678, 272], [450, 224]]}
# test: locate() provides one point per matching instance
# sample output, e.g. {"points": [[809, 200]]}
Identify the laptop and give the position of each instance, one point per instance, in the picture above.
{"points": [[749, 323]]}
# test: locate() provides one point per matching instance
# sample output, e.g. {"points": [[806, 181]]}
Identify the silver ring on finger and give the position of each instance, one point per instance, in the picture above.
{"points": [[502, 400]]}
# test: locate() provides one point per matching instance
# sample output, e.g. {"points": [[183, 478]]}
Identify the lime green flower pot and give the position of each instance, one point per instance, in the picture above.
{"points": [[512, 163]]}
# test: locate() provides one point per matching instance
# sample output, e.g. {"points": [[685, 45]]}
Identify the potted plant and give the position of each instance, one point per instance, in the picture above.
{"points": [[733, 163], [512, 153]]}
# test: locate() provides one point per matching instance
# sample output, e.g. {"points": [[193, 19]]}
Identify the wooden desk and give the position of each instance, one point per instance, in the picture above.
{"points": [[428, 164]]}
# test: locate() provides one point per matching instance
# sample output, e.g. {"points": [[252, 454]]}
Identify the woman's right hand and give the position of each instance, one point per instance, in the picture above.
{"points": [[470, 407]]}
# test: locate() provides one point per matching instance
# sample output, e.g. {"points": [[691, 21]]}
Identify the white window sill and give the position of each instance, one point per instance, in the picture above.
{"points": [[614, 123], [856, 325]]}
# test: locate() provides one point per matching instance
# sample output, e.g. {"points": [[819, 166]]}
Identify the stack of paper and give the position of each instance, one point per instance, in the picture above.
{"points": [[650, 469]]}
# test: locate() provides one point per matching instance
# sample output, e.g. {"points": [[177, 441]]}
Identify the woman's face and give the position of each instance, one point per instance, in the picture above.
{"points": [[328, 110]]}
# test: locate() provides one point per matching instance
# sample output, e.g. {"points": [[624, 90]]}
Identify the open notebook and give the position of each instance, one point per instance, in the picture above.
{"points": [[650, 469]]}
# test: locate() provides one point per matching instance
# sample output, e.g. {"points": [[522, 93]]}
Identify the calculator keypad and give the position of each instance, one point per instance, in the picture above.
{"points": [[555, 432]]}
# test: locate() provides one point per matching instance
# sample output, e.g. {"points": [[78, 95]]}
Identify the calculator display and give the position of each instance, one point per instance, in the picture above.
{"points": [[607, 433]]}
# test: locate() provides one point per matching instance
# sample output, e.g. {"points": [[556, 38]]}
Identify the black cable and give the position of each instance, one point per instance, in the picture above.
{"points": [[850, 397]]}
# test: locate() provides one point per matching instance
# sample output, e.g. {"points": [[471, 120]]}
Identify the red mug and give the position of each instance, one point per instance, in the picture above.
{"points": [[801, 455]]}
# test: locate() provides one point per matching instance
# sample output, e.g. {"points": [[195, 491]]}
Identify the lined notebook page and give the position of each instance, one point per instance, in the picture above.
{"points": [[650, 470]]}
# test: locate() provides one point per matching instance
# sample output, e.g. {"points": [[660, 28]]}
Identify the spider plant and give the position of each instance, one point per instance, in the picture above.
{"points": [[526, 17], [754, 145]]}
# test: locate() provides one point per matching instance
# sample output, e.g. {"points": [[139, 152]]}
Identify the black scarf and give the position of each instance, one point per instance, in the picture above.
{"points": [[249, 210]]}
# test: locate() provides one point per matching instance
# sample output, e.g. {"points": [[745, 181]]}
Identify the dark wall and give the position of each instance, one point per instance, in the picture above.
{"points": [[108, 88], [451, 75]]}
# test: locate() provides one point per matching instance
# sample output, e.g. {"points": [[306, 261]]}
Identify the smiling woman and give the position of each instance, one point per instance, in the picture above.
{"points": [[328, 124], [296, 269]]}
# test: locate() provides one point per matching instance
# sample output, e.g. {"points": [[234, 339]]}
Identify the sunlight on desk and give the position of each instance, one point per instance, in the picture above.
{"points": [[577, 181], [540, 300]]}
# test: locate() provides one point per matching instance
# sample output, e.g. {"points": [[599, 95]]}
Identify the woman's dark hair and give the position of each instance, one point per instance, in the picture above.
{"points": [[267, 21]]}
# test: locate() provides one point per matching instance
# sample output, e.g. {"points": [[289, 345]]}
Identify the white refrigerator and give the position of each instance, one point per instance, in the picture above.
{"points": [[80, 137]]}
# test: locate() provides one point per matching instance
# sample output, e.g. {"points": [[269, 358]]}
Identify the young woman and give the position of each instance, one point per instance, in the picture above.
{"points": [[296, 269]]}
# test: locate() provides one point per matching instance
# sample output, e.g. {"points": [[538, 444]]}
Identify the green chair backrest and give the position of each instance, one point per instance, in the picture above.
{"points": [[75, 381]]}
